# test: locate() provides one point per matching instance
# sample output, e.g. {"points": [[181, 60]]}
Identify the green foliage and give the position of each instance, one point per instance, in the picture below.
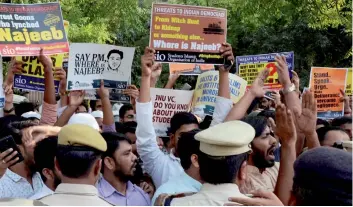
{"points": [[318, 31]]}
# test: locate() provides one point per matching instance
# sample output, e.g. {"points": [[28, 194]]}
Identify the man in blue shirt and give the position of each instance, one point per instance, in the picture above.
{"points": [[190, 181]]}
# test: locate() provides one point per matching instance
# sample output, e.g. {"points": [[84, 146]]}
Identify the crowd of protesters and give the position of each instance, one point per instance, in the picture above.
{"points": [[259, 151]]}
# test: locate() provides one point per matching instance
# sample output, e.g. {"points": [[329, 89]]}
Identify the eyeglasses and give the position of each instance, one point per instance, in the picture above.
{"points": [[338, 145]]}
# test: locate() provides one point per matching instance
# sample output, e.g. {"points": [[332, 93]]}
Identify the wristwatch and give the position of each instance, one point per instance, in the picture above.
{"points": [[291, 88], [9, 111]]}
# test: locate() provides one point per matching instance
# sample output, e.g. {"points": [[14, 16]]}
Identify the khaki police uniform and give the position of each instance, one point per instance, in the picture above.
{"points": [[226, 139], [71, 194]]}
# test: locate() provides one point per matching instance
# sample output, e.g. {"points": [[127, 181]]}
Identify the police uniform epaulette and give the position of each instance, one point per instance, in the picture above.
{"points": [[166, 199]]}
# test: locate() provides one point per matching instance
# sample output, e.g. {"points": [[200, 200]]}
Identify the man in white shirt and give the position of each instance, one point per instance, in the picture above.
{"points": [[44, 155]]}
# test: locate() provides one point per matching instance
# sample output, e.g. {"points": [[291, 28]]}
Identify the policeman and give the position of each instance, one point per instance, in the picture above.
{"points": [[78, 161], [224, 151]]}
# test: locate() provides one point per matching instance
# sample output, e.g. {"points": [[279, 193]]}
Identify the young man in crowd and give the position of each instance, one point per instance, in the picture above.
{"points": [[119, 166], [96, 105], [344, 123], [44, 155], [188, 150], [222, 163], [161, 166], [332, 136], [322, 177], [126, 113], [78, 161]]}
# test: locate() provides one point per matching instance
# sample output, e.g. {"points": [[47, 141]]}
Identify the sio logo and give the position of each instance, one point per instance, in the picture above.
{"points": [[20, 80]]}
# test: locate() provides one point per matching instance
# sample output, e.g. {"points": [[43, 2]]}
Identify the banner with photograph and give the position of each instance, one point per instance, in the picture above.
{"points": [[26, 28], [189, 68], [187, 34], [326, 84], [206, 91], [250, 66], [90, 63], [167, 102]]}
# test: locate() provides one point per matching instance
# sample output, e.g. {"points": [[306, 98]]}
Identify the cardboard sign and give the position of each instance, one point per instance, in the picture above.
{"points": [[189, 69], [33, 77], [90, 63], [167, 102], [250, 66], [25, 28], [206, 91], [349, 82], [187, 34], [115, 95], [326, 83]]}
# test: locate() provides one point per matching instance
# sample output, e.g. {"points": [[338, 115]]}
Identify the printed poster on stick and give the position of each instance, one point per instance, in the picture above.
{"points": [[90, 63], [249, 66], [326, 83], [167, 102], [349, 82], [206, 91], [32, 78], [25, 28], [189, 68], [115, 95], [188, 34]]}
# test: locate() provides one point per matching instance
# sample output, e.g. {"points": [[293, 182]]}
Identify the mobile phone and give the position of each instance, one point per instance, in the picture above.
{"points": [[186, 87], [7, 143]]}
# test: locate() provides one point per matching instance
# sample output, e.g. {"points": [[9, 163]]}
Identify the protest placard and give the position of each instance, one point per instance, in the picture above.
{"points": [[115, 95], [189, 68], [90, 63], [326, 84], [32, 78], [25, 28], [249, 66], [206, 92], [2, 95], [187, 34], [167, 102], [349, 82]]}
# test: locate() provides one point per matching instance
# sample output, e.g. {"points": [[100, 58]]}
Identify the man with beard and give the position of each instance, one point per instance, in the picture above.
{"points": [[262, 169], [119, 166], [114, 60], [44, 155]]}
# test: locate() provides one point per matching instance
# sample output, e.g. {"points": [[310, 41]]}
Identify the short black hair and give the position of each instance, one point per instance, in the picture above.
{"points": [[44, 154], [181, 118], [219, 170], [259, 123], [113, 140], [321, 132], [129, 126], [84, 105], [92, 104], [187, 146], [116, 51], [5, 124], [341, 120], [124, 108], [24, 107], [16, 127], [76, 162], [268, 114], [322, 122]]}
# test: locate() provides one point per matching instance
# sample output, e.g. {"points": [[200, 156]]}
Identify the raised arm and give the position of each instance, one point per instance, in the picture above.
{"points": [[8, 108], [285, 130], [153, 158], [306, 121], [172, 80], [156, 72], [108, 116], [61, 74], [347, 106], [49, 112], [257, 90], [76, 98]]}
